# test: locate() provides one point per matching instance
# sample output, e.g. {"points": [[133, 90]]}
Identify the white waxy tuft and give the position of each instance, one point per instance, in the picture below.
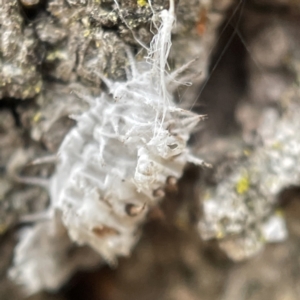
{"points": [[119, 155]]}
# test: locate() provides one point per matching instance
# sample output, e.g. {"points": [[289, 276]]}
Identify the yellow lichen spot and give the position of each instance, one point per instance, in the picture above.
{"points": [[220, 234], [279, 213], [86, 33], [242, 186], [51, 56], [277, 146], [37, 117], [38, 87], [26, 93], [247, 152], [142, 3]]}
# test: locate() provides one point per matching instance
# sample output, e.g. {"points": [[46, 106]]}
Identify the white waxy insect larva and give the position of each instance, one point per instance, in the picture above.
{"points": [[113, 164]]}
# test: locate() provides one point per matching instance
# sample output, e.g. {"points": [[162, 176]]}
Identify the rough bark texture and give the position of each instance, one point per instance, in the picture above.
{"points": [[50, 53]]}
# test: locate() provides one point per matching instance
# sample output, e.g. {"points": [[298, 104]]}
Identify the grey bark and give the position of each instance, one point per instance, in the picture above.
{"points": [[49, 52]]}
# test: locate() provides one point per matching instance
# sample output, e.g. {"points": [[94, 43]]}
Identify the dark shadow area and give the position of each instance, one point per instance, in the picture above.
{"points": [[227, 80]]}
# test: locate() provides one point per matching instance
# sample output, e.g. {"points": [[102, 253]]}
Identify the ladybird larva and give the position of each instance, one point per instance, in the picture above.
{"points": [[112, 166]]}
